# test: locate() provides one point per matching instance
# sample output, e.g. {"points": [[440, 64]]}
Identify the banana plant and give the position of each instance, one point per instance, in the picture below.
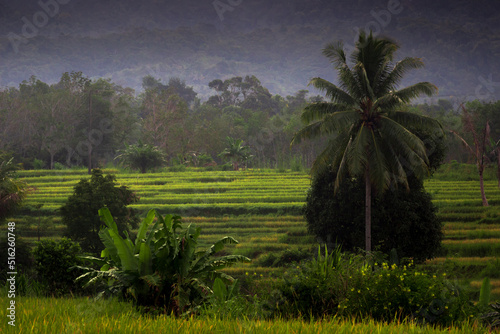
{"points": [[161, 268]]}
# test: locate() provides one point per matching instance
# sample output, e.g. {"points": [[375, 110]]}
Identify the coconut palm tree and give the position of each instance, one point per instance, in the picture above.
{"points": [[142, 157], [365, 119], [236, 152]]}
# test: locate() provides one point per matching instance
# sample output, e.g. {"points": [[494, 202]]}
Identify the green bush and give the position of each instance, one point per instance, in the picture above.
{"points": [[491, 270], [353, 286], [226, 302], [54, 264], [315, 288], [177, 168], [59, 166], [285, 258], [80, 213], [397, 292], [297, 164], [224, 167], [402, 220], [38, 164], [23, 257]]}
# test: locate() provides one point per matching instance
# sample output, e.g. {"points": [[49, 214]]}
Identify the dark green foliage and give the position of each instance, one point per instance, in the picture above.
{"points": [[177, 168], [12, 190], [23, 256], [353, 286], [492, 318], [236, 152], [386, 293], [38, 164], [80, 213], [162, 270], [492, 269], [402, 220], [142, 157], [285, 258], [315, 288], [54, 262]]}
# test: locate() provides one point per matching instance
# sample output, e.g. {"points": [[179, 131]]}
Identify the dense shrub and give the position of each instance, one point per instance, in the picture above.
{"points": [[285, 258], [388, 292], [80, 213], [38, 164], [23, 257], [354, 286], [314, 288], [177, 168], [54, 262], [401, 219]]}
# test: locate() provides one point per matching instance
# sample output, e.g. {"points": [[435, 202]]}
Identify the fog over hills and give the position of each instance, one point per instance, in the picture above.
{"points": [[279, 42]]}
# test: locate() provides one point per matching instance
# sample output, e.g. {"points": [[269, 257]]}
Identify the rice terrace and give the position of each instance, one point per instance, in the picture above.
{"points": [[262, 210]]}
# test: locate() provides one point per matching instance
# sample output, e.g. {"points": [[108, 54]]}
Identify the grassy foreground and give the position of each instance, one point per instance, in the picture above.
{"points": [[83, 315]]}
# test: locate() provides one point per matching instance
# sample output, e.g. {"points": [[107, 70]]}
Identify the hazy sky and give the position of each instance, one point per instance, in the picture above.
{"points": [[425, 28]]}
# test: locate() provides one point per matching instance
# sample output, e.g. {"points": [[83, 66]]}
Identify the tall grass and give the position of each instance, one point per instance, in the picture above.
{"points": [[82, 315]]}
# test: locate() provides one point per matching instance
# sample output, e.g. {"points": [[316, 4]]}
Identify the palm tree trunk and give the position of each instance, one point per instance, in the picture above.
{"points": [[368, 211]]}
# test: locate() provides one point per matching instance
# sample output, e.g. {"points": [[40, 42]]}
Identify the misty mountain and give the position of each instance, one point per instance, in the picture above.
{"points": [[279, 42]]}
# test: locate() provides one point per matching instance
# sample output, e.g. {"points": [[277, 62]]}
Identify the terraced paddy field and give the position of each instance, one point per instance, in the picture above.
{"points": [[262, 210]]}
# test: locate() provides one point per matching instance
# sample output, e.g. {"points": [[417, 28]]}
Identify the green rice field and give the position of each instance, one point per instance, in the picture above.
{"points": [[262, 210]]}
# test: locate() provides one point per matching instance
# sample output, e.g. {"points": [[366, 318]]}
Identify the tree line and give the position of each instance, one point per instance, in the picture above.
{"points": [[80, 121]]}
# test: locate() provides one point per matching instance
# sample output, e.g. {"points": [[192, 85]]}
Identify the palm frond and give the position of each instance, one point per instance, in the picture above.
{"points": [[396, 173], [378, 160], [397, 133], [349, 82], [407, 148], [367, 85], [379, 86], [399, 70], [408, 93], [308, 132], [373, 53], [464, 142], [331, 123], [339, 121], [357, 152], [409, 119], [318, 110], [334, 93], [342, 158], [332, 154], [335, 52]]}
